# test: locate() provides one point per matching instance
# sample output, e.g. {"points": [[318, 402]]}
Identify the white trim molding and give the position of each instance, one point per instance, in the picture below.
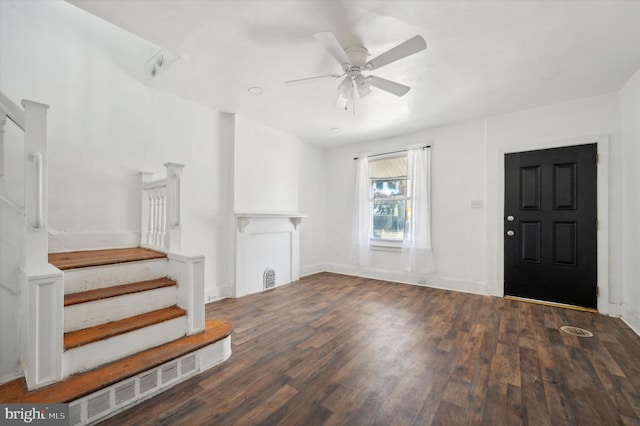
{"points": [[424, 280], [60, 242], [631, 317], [603, 210]]}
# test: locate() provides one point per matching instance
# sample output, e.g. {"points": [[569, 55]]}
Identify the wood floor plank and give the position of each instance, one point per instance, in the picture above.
{"points": [[84, 259], [332, 349]]}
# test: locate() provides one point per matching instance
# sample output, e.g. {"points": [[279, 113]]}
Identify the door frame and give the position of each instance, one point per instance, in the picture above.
{"points": [[602, 189]]}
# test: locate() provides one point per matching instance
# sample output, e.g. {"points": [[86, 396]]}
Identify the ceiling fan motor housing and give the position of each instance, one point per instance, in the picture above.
{"points": [[358, 56]]}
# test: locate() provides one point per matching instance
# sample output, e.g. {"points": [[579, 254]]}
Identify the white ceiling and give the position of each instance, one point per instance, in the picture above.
{"points": [[483, 57]]}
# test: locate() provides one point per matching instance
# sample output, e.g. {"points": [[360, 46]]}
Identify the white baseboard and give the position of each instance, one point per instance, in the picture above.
{"points": [[632, 318], [9, 377], [615, 310], [312, 269], [464, 286], [217, 293], [78, 241], [425, 280]]}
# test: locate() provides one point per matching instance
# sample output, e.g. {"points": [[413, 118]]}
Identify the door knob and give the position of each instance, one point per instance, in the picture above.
{"points": [[510, 233]]}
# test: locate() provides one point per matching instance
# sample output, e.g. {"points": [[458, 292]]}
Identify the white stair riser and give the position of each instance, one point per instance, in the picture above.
{"points": [[101, 352], [84, 315], [83, 279]]}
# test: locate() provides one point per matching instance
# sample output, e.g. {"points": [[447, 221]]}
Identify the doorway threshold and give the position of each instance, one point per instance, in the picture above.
{"points": [[554, 304]]}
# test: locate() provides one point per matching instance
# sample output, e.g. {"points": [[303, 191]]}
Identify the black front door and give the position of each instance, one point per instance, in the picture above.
{"points": [[550, 225]]}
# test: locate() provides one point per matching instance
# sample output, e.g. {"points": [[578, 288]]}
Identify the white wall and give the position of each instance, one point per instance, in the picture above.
{"points": [[11, 258], [466, 166], [580, 121], [312, 200], [105, 125], [266, 170], [630, 106], [457, 229], [275, 172]]}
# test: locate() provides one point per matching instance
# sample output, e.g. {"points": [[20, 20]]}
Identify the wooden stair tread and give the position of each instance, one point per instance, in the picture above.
{"points": [[85, 259], [85, 336], [119, 290], [88, 382]]}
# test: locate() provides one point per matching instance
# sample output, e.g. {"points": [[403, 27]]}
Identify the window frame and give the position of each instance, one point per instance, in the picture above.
{"points": [[385, 244]]}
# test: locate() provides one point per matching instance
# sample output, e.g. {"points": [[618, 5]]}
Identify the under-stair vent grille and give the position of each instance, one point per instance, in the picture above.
{"points": [[169, 373], [188, 364], [103, 403], [269, 278], [98, 404], [125, 392], [75, 413], [149, 382]]}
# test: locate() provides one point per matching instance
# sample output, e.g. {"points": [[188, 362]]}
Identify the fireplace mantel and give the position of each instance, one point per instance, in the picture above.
{"points": [[244, 219], [266, 242]]}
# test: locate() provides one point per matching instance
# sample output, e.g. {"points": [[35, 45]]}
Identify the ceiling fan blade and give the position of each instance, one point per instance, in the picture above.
{"points": [[310, 79], [330, 42], [388, 85], [407, 48]]}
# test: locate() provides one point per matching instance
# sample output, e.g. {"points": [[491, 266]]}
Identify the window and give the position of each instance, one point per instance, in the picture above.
{"points": [[389, 203], [391, 208]]}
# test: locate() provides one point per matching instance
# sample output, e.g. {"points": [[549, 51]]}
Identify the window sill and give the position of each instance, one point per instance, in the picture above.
{"points": [[391, 246]]}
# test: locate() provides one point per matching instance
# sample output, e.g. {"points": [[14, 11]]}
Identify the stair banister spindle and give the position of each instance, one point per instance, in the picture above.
{"points": [[178, 201], [152, 213], [149, 226], [156, 214], [159, 239], [162, 224]]}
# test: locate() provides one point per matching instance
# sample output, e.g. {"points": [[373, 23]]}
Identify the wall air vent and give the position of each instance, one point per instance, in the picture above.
{"points": [[269, 278]]}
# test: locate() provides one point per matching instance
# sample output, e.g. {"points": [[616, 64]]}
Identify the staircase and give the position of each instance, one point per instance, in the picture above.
{"points": [[107, 315], [100, 330], [125, 335]]}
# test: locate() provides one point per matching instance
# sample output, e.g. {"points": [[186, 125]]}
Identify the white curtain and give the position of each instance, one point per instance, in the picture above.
{"points": [[416, 246], [361, 215]]}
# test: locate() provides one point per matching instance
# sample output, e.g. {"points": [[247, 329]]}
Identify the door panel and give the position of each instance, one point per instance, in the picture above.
{"points": [[530, 188], [550, 225], [530, 244]]}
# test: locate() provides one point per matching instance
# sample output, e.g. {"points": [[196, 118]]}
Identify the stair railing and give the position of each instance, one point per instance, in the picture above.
{"points": [[161, 227], [40, 300]]}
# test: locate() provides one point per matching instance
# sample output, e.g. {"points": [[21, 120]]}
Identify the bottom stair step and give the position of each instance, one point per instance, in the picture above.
{"points": [[85, 383], [85, 336]]}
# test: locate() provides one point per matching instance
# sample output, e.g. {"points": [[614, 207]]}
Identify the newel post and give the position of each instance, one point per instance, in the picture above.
{"points": [[173, 241], [36, 182], [41, 294]]}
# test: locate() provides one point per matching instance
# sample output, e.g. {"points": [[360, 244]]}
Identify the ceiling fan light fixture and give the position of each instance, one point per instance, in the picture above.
{"points": [[346, 88], [363, 85]]}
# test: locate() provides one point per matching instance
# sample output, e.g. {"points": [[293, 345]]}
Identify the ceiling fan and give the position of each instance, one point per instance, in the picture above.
{"points": [[353, 61]]}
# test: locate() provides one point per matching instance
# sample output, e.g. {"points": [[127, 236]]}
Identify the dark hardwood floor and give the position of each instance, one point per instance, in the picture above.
{"points": [[340, 350]]}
